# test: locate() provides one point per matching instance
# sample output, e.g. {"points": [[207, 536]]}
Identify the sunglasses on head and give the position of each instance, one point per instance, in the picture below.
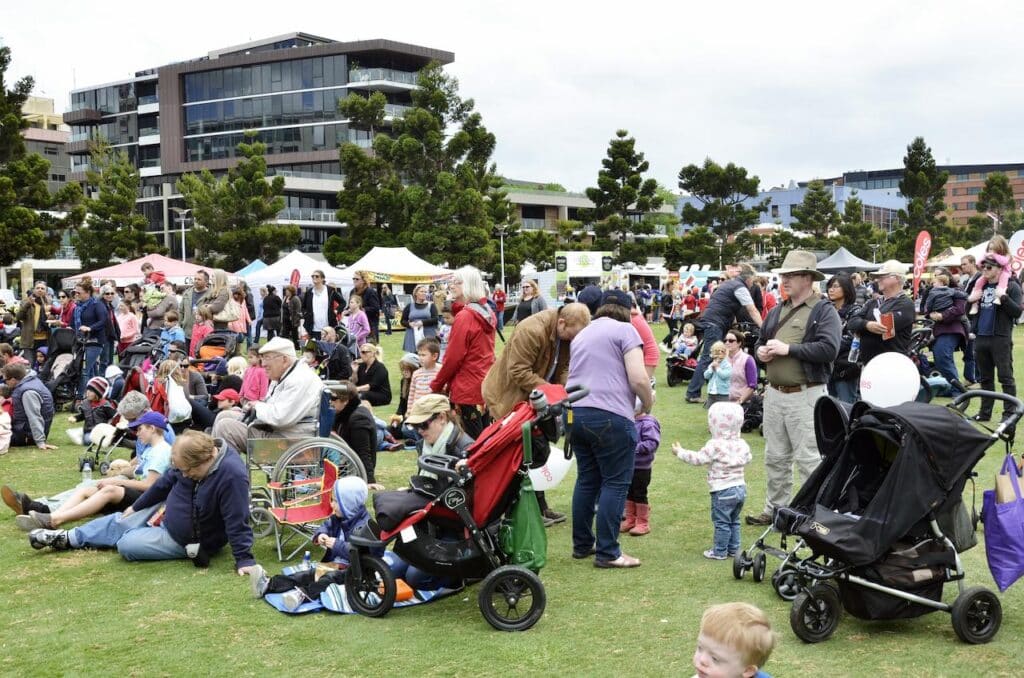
{"points": [[990, 267], [422, 426], [731, 341]]}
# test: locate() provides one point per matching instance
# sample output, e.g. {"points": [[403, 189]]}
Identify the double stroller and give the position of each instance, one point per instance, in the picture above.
{"points": [[884, 519], [454, 522]]}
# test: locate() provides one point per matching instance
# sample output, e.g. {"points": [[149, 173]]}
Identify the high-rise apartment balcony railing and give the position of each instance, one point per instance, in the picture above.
{"points": [[307, 214], [395, 110], [66, 252], [83, 116], [78, 147], [381, 74], [149, 99], [149, 162], [305, 175]]}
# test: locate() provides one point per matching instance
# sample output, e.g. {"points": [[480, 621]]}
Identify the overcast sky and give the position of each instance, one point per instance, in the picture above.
{"points": [[790, 90]]}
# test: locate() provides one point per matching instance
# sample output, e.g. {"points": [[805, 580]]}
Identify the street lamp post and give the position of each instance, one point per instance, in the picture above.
{"points": [[501, 236], [995, 222], [874, 251], [719, 242], [182, 213]]}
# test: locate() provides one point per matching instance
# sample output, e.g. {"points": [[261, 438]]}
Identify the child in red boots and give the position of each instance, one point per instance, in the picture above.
{"points": [[638, 511]]}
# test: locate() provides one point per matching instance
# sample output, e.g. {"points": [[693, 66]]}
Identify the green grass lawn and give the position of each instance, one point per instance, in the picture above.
{"points": [[89, 612]]}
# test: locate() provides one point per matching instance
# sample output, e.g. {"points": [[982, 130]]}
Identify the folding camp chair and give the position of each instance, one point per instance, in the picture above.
{"points": [[299, 507]]}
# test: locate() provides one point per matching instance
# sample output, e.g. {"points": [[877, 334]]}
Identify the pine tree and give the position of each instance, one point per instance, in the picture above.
{"points": [[817, 213], [996, 196], [114, 230], [620, 194], [721, 191], [231, 213]]}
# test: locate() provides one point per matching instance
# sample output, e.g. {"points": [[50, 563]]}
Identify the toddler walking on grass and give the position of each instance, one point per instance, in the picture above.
{"points": [[638, 510], [725, 455]]}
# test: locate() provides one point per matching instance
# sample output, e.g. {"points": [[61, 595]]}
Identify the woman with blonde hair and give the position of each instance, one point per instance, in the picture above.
{"points": [[530, 302], [218, 297], [419, 318], [371, 300], [372, 381]]}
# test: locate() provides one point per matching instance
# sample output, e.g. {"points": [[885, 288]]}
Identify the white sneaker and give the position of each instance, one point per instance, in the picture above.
{"points": [[293, 599], [258, 581]]}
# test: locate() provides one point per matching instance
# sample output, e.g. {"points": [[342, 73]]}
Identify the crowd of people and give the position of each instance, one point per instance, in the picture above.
{"points": [[808, 337]]}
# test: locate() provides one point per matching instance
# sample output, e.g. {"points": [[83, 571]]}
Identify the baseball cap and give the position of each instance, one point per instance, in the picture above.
{"points": [[617, 297], [228, 394], [152, 418]]}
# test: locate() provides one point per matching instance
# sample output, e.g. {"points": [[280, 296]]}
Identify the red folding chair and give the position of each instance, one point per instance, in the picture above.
{"points": [[299, 507]]}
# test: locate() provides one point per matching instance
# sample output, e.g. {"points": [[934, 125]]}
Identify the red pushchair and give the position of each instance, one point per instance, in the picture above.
{"points": [[450, 523]]}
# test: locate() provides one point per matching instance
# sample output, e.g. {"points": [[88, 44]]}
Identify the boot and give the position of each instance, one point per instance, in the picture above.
{"points": [[630, 520], [643, 525]]}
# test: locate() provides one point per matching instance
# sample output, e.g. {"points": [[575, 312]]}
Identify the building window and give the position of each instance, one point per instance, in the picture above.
{"points": [[972, 205], [50, 150], [974, 190], [959, 191], [775, 211]]}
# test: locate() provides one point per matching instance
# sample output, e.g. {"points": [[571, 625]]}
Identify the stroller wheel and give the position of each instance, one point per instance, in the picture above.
{"points": [[739, 564], [786, 583], [371, 592], [261, 521], [512, 598], [673, 378], [104, 467], [815, 613], [757, 571], [977, 614]]}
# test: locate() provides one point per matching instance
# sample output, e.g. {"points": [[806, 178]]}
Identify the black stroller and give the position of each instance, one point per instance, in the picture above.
{"points": [[62, 370], [135, 354], [885, 521]]}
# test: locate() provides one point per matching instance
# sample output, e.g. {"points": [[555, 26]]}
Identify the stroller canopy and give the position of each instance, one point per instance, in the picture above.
{"points": [[897, 464]]}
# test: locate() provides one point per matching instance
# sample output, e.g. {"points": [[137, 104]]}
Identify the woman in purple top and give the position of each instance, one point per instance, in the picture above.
{"points": [[607, 358], [744, 369]]}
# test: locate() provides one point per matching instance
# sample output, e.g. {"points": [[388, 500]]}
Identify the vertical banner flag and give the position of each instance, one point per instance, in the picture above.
{"points": [[921, 250], [295, 278], [1016, 252]]}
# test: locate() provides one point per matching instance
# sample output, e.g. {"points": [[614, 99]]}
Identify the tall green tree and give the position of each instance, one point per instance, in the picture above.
{"points": [[620, 196], [697, 246], [32, 220], [231, 213], [817, 214], [996, 196], [429, 185], [721, 192], [539, 249], [924, 187], [113, 229]]}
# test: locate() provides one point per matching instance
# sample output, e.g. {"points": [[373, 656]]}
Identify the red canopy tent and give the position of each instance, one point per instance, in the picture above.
{"points": [[128, 272]]}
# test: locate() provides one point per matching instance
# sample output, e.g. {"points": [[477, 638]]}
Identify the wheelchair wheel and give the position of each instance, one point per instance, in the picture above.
{"points": [[512, 598], [815, 613], [260, 519], [372, 592], [304, 460]]}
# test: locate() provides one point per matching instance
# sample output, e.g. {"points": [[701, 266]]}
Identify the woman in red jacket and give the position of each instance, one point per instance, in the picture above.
{"points": [[470, 352]]}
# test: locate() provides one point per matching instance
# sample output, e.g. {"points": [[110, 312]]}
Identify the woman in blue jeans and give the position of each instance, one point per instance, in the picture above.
{"points": [[607, 358], [92, 328]]}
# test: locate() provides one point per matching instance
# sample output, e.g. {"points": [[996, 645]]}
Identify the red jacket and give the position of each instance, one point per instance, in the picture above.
{"points": [[469, 355]]}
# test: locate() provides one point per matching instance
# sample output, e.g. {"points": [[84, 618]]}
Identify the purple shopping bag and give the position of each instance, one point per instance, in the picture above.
{"points": [[1004, 531]]}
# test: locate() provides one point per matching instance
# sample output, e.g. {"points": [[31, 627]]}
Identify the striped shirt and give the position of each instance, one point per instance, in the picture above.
{"points": [[420, 385]]}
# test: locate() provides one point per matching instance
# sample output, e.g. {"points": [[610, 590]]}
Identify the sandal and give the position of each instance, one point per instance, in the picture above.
{"points": [[622, 561]]}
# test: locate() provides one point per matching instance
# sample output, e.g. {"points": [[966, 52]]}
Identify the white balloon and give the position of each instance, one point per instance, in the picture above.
{"points": [[889, 379], [551, 474]]}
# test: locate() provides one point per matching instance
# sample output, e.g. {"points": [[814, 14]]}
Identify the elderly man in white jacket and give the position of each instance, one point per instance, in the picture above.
{"points": [[291, 407]]}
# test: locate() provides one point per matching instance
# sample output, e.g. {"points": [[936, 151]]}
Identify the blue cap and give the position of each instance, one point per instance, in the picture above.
{"points": [[152, 418]]}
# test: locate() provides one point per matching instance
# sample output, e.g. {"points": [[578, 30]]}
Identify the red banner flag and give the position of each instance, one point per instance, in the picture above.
{"points": [[921, 250], [295, 278]]}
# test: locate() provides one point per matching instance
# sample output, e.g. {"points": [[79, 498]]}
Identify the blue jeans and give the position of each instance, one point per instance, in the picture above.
{"points": [[844, 390], [605, 449], [942, 350], [132, 538], [726, 506], [712, 333], [92, 367]]}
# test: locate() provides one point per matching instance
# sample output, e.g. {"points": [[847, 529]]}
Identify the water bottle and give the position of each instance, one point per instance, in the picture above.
{"points": [[854, 349], [86, 472], [307, 563]]}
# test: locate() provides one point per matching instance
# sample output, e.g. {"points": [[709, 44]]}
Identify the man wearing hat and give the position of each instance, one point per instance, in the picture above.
{"points": [[730, 302], [799, 341], [993, 327], [537, 353], [292, 406], [890, 278]]}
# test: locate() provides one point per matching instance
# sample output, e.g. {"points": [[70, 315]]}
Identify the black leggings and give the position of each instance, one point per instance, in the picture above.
{"points": [[672, 324], [638, 488], [304, 581], [473, 421]]}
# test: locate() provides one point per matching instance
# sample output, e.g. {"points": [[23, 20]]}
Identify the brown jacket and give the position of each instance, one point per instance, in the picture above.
{"points": [[27, 320], [525, 362]]}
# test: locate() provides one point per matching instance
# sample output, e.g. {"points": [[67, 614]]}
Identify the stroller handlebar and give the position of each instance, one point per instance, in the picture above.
{"points": [[963, 400], [576, 392]]}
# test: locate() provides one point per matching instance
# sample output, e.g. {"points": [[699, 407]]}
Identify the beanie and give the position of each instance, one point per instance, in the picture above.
{"points": [[99, 386]]}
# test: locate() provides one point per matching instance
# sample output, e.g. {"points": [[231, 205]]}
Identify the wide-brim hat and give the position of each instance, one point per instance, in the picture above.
{"points": [[890, 267], [800, 261], [426, 407], [279, 345]]}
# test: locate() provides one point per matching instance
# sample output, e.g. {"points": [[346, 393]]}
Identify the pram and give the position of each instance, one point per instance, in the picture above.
{"points": [[884, 518], [466, 502], [103, 440], [217, 344], [135, 354], [63, 367]]}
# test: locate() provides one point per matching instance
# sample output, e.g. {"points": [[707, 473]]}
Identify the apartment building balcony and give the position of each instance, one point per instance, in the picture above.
{"points": [[395, 111], [533, 224], [383, 79], [78, 147], [306, 216], [83, 116]]}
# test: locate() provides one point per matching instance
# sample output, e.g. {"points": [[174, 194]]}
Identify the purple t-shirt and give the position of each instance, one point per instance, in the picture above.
{"points": [[595, 361]]}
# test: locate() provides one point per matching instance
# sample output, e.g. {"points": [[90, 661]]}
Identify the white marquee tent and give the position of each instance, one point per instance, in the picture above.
{"points": [[396, 265], [280, 272]]}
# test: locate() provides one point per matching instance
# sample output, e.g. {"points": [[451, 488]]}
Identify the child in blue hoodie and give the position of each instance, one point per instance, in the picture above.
{"points": [[349, 503]]}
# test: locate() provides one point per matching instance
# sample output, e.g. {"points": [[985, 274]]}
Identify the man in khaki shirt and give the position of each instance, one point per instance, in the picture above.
{"points": [[799, 340]]}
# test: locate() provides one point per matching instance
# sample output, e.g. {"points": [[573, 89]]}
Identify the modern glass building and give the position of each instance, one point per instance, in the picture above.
{"points": [[190, 116]]}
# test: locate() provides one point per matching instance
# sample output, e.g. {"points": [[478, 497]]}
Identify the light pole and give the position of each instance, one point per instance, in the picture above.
{"points": [[719, 242], [874, 250], [182, 213], [501, 236], [995, 222]]}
